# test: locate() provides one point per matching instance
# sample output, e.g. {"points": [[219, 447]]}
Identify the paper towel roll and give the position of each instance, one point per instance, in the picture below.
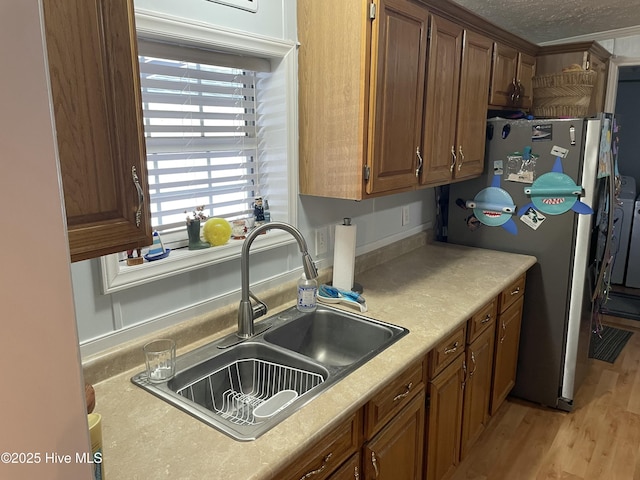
{"points": [[344, 255]]}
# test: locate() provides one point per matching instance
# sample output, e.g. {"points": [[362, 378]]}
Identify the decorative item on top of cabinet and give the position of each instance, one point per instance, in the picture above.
{"points": [[589, 55], [95, 86], [511, 84], [507, 342], [458, 74], [361, 84]]}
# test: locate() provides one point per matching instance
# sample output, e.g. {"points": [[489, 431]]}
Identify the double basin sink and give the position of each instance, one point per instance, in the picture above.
{"points": [[246, 389]]}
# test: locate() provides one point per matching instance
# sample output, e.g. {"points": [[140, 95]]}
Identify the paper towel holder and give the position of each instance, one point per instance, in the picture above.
{"points": [[355, 287]]}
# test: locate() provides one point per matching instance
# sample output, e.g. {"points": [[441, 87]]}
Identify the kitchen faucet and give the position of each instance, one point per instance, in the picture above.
{"points": [[247, 312]]}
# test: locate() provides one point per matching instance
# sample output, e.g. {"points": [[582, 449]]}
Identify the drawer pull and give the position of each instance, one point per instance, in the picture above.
{"points": [[318, 470], [515, 292], [374, 461], [400, 396], [486, 319], [452, 349]]}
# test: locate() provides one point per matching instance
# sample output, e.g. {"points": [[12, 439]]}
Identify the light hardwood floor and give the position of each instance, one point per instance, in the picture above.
{"points": [[599, 439]]}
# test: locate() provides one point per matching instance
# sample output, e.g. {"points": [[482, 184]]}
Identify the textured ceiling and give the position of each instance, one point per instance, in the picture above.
{"points": [[541, 21]]}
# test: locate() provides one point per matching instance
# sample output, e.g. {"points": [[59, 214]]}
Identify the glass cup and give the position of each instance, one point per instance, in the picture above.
{"points": [[160, 357]]}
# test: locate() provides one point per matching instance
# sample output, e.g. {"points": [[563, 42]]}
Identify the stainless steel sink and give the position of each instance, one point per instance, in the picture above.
{"points": [[332, 338], [299, 357]]}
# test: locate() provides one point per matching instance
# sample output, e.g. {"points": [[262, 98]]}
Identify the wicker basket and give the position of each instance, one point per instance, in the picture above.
{"points": [[563, 94]]}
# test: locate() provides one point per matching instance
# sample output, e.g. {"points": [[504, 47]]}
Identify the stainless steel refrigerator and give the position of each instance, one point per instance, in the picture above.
{"points": [[546, 191]]}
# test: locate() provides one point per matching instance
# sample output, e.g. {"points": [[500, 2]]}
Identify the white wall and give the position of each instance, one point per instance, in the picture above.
{"points": [[144, 309], [42, 401]]}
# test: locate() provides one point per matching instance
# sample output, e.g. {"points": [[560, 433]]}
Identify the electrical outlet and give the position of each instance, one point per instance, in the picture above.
{"points": [[405, 215], [321, 241]]}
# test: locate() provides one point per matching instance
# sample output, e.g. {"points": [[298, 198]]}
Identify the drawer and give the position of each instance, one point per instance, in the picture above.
{"points": [[512, 293], [483, 319], [326, 455], [390, 400], [448, 349]]}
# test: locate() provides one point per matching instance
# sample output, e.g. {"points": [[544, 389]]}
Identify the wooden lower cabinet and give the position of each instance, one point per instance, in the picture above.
{"points": [[396, 452], [477, 393], [446, 394], [325, 456], [506, 353], [350, 470]]}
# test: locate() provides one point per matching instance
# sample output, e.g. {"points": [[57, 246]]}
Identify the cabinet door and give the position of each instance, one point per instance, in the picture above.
{"points": [[399, 39], [445, 420], [326, 455], [503, 75], [396, 453], [506, 353], [95, 85], [443, 77], [526, 71], [477, 393], [349, 471], [472, 105]]}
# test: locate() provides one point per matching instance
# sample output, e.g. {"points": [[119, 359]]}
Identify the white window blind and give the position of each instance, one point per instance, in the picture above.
{"points": [[201, 135]]}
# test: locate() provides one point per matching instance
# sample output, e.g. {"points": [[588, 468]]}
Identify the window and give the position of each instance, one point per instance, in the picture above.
{"points": [[220, 128], [200, 132]]}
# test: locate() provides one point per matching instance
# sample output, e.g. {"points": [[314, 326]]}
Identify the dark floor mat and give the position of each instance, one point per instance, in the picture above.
{"points": [[608, 345]]}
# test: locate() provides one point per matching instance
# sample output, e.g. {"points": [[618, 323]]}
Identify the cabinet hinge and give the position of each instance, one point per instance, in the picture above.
{"points": [[367, 172], [427, 403], [429, 33], [372, 11]]}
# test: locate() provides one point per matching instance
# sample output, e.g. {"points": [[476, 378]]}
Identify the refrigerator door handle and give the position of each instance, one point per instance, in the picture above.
{"points": [[454, 159]]}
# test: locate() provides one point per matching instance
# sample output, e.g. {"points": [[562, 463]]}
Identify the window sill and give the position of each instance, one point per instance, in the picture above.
{"points": [[118, 276]]}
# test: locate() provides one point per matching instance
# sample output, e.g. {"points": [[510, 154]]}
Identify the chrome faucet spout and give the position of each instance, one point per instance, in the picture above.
{"points": [[247, 312]]}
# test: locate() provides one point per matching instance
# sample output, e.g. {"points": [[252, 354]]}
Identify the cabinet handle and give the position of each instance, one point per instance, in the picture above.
{"points": [[513, 88], [461, 157], [515, 292], [519, 89], [374, 461], [504, 332], [486, 319], [420, 162], [454, 159], [356, 473], [400, 396], [318, 470], [452, 348], [136, 182], [464, 370], [473, 359]]}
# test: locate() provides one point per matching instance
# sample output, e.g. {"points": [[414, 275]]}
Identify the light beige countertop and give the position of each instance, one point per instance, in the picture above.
{"points": [[430, 290]]}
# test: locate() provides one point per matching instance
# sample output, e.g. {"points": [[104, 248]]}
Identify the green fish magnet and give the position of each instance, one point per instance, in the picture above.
{"points": [[555, 193]]}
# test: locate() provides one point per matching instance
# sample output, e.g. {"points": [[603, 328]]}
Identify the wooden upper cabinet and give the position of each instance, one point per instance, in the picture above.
{"points": [[443, 81], [95, 86], [399, 45], [361, 85], [472, 105], [511, 78], [459, 69]]}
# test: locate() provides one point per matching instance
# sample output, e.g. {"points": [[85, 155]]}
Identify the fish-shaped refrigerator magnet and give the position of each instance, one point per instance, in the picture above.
{"points": [[555, 193], [494, 207]]}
